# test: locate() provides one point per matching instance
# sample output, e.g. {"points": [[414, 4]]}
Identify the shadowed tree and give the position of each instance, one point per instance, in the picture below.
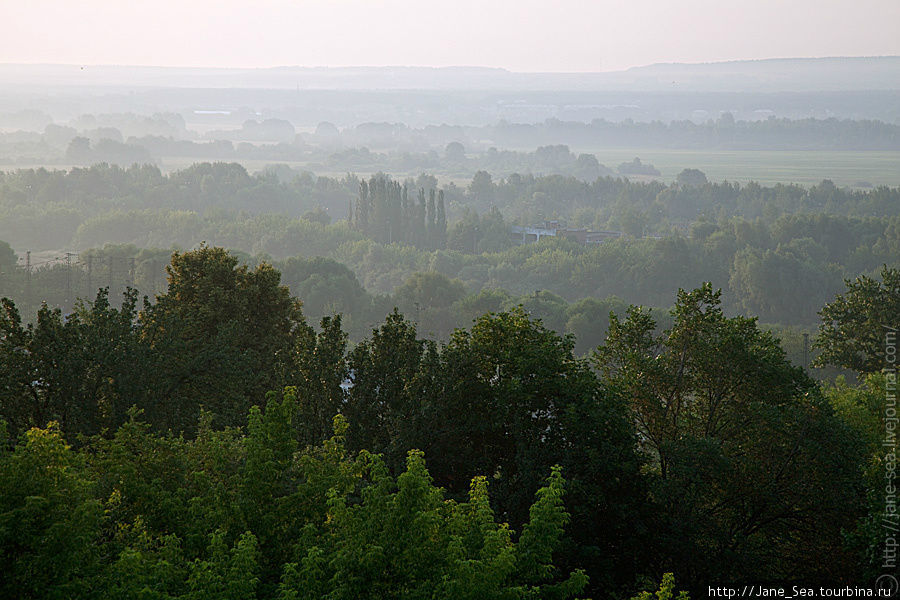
{"points": [[219, 337], [749, 466], [857, 324]]}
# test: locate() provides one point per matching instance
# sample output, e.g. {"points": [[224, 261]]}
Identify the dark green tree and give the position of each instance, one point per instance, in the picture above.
{"points": [[383, 402], [220, 337], [856, 327], [319, 373], [82, 371], [512, 400], [747, 458]]}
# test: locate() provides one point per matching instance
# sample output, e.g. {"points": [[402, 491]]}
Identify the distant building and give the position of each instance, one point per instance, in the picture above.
{"points": [[529, 234], [533, 233]]}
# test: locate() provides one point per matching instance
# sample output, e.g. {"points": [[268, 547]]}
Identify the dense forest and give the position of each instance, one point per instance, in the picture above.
{"points": [[210, 441], [381, 391], [445, 254]]}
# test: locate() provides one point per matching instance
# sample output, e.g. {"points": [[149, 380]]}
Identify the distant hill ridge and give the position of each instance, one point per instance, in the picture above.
{"points": [[772, 75]]}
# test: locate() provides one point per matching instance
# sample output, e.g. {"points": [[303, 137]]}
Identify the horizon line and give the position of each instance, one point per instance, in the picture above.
{"points": [[445, 67]]}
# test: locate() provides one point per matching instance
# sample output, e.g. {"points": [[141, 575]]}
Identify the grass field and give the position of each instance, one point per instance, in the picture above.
{"points": [[844, 168]]}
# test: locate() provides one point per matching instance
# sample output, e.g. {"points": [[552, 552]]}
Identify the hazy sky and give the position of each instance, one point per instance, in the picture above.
{"points": [[521, 35]]}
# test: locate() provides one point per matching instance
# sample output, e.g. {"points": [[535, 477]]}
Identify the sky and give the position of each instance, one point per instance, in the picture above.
{"points": [[519, 35]]}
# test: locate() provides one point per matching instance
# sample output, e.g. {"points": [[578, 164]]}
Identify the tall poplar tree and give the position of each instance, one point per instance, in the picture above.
{"points": [[362, 207], [441, 226], [430, 220]]}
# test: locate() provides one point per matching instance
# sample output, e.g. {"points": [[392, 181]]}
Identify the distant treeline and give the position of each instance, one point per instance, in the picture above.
{"points": [[84, 207], [723, 133], [783, 272], [781, 251], [144, 139]]}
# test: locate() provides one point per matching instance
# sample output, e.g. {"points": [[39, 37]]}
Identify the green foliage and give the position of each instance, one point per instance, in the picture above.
{"points": [[781, 251], [474, 233], [49, 520], [247, 516], [8, 258], [692, 177], [506, 399], [428, 290], [382, 403], [325, 287], [386, 213], [746, 455], [863, 409], [666, 591], [779, 286], [319, 372], [411, 537], [588, 320], [220, 336], [857, 326], [77, 370], [235, 327], [228, 574], [692, 445]]}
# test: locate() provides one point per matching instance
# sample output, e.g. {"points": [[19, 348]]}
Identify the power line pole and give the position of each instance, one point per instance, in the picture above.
{"points": [[90, 290], [110, 275], [162, 277], [806, 351], [69, 256], [28, 276]]}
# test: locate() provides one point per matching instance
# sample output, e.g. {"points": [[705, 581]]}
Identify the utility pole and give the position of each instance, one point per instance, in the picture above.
{"points": [[68, 280], [69, 300], [90, 290], [110, 259], [131, 272], [806, 351], [28, 276]]}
